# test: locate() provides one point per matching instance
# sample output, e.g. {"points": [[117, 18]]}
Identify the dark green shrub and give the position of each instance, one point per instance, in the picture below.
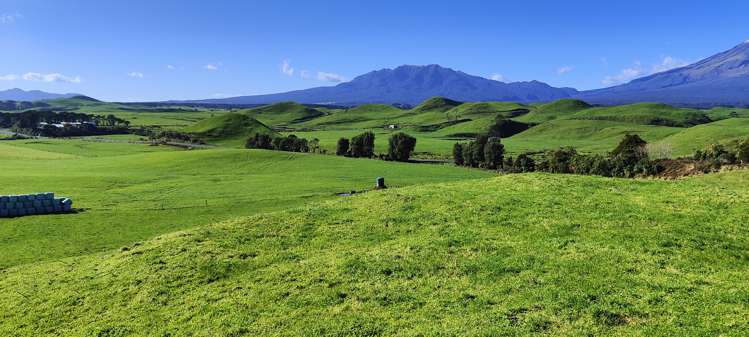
{"points": [[458, 154], [363, 145], [493, 153], [631, 150], [477, 149], [560, 161], [742, 152], [524, 163], [400, 146], [717, 155], [342, 147], [468, 150], [314, 145], [259, 141]]}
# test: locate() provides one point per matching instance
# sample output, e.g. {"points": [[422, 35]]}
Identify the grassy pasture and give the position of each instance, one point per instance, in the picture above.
{"points": [[517, 255], [699, 137], [593, 136], [133, 192]]}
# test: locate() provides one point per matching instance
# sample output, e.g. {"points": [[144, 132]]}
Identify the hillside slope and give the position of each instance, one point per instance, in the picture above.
{"points": [[230, 128], [553, 110], [534, 254], [722, 79], [686, 142]]}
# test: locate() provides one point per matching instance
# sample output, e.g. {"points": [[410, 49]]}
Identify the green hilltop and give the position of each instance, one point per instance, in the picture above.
{"points": [[553, 110], [282, 114], [438, 104], [228, 129]]}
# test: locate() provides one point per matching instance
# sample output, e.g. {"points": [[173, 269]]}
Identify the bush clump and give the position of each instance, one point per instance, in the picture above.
{"points": [[361, 146], [483, 152], [289, 143], [401, 146]]}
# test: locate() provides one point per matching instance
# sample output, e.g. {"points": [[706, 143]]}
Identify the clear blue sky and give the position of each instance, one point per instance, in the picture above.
{"points": [[155, 50]]}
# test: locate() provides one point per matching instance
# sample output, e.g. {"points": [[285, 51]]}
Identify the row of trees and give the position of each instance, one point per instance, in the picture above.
{"points": [[484, 152], [169, 136], [290, 143], [50, 123], [629, 159], [400, 146], [361, 146], [32, 118]]}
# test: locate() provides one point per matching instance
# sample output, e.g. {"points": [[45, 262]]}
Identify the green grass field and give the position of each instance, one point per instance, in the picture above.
{"points": [[234, 242], [131, 192], [518, 255]]}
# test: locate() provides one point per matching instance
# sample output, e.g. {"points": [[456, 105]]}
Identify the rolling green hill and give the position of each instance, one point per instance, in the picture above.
{"points": [[546, 112], [284, 114], [518, 255], [645, 114], [438, 104], [586, 135], [360, 117], [231, 129], [687, 141]]}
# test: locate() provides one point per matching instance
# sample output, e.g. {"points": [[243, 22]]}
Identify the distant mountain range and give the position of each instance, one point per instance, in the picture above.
{"points": [[412, 85], [30, 96], [722, 79]]}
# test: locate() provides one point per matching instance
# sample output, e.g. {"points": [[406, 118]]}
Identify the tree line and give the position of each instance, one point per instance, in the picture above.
{"points": [[400, 146], [40, 123], [629, 159], [290, 143]]}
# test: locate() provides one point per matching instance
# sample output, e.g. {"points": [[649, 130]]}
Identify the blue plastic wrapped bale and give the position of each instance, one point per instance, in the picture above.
{"points": [[12, 198], [67, 205], [12, 212]]}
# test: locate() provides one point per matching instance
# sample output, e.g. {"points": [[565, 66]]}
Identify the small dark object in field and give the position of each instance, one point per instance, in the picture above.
{"points": [[380, 183]]}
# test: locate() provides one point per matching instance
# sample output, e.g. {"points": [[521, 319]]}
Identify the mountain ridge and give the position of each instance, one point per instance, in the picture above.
{"points": [[17, 94], [410, 84], [721, 79]]}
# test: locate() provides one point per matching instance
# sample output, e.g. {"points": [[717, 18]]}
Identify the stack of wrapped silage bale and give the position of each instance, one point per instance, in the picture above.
{"points": [[30, 204]]}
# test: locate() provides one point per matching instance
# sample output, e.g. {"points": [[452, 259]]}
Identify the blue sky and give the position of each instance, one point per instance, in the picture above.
{"points": [[156, 50]]}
